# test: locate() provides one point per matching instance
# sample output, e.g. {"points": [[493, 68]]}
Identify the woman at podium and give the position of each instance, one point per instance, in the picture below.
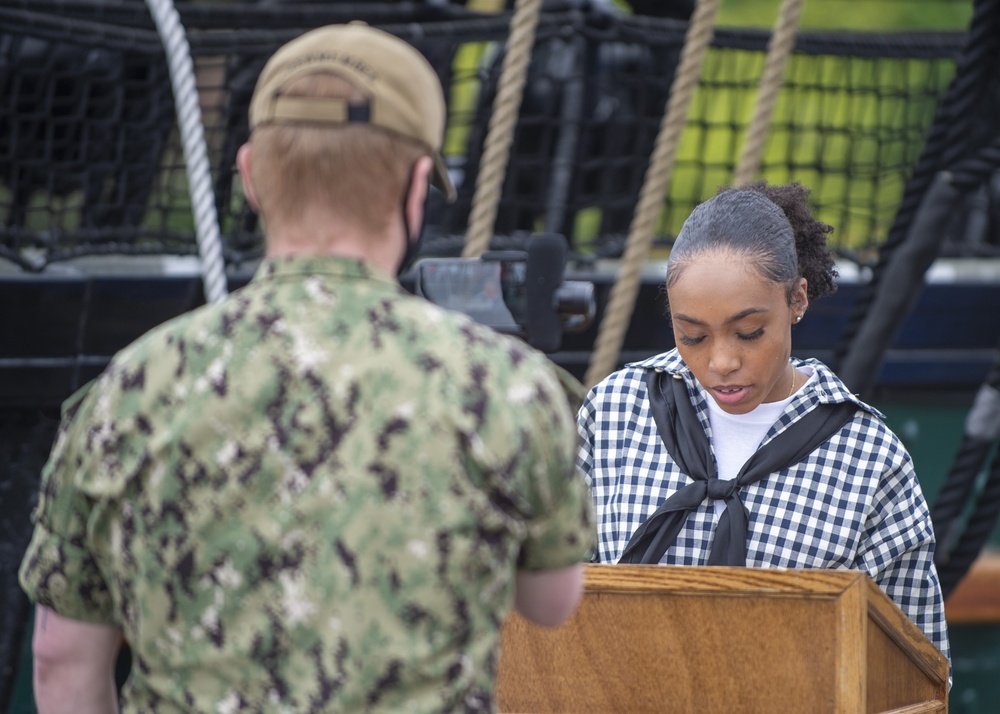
{"points": [[729, 451]]}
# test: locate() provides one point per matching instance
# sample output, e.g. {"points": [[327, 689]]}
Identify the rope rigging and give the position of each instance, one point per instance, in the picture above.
{"points": [[206, 218], [617, 315], [621, 304], [779, 49], [500, 133], [960, 544]]}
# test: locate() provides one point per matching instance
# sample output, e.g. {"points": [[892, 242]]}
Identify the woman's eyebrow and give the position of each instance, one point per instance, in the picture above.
{"points": [[738, 316]]}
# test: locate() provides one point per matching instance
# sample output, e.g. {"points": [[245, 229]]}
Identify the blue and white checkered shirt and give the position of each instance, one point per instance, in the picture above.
{"points": [[853, 503]]}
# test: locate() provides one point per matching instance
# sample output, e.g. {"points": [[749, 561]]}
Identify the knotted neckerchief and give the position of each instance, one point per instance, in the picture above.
{"points": [[687, 444]]}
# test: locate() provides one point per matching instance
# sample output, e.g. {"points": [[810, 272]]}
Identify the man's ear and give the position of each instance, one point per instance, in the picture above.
{"points": [[243, 161], [415, 200]]}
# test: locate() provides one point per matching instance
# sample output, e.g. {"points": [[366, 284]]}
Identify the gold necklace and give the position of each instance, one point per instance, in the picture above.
{"points": [[791, 387]]}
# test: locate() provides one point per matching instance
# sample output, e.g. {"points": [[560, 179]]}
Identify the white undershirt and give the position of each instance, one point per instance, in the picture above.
{"points": [[737, 436]]}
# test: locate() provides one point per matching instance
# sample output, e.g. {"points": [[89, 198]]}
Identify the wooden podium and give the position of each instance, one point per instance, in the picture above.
{"points": [[649, 638]]}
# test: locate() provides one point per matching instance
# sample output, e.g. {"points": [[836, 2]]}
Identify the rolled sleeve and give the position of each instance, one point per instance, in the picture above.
{"points": [[62, 575], [565, 534], [58, 570], [559, 507]]}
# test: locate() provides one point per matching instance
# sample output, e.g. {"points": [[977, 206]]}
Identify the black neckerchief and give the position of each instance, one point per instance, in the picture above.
{"points": [[686, 442]]}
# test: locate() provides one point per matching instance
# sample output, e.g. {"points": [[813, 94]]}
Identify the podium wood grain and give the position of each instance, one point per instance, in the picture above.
{"points": [[712, 639]]}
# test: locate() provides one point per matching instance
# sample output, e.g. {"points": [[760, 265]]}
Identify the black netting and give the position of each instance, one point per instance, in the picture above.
{"points": [[90, 158]]}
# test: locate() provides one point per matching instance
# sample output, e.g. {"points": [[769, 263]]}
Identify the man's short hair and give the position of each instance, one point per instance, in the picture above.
{"points": [[359, 171], [395, 89]]}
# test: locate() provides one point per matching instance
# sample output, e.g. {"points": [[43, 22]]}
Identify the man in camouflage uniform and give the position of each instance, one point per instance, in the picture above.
{"points": [[323, 493]]}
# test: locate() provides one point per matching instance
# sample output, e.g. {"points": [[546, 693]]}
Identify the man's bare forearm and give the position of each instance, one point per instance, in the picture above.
{"points": [[74, 665], [70, 690]]}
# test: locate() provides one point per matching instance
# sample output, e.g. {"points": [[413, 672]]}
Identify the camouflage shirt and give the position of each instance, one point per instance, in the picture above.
{"points": [[312, 496]]}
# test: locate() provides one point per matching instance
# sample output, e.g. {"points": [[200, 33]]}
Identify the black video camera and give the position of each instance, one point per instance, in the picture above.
{"points": [[517, 292]]}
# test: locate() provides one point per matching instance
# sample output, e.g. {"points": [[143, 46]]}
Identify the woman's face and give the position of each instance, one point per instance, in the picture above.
{"points": [[733, 329]]}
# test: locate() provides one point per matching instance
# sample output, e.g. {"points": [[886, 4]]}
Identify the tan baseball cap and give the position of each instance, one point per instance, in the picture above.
{"points": [[404, 93]]}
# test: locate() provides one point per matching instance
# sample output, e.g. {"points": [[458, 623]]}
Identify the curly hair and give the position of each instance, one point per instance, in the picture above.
{"points": [[771, 225]]}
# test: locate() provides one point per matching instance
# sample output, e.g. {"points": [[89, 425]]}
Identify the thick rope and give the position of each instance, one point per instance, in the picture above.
{"points": [[779, 49], [500, 132], [206, 219], [621, 302]]}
